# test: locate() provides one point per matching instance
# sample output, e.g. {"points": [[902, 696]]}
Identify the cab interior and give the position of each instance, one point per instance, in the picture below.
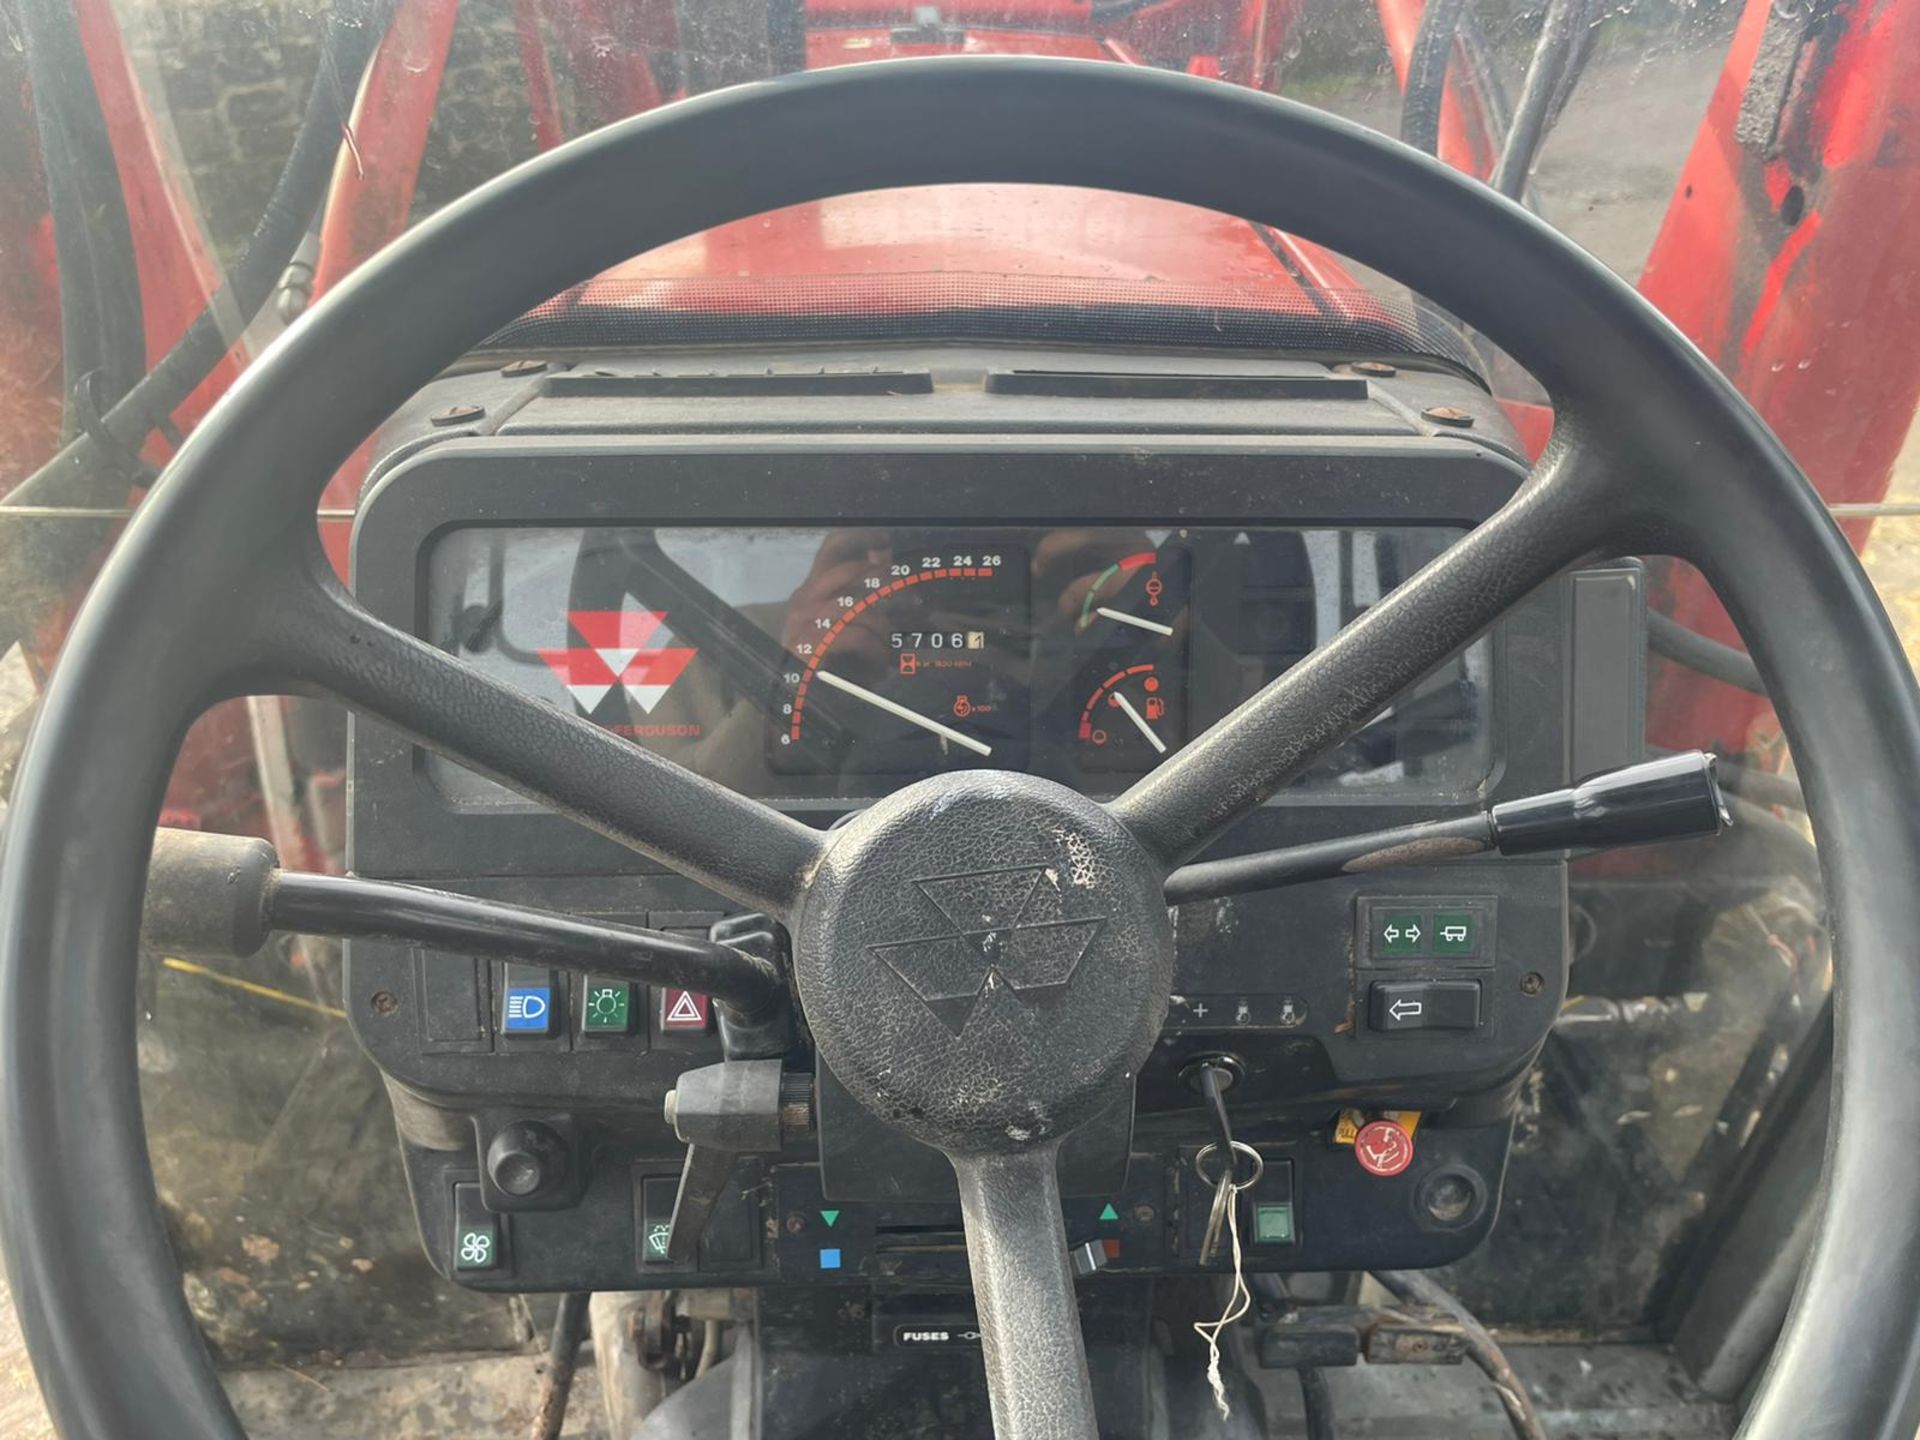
{"points": [[1019, 719]]}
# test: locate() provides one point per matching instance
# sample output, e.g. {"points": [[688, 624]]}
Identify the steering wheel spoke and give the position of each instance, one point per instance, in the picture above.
{"points": [[717, 836], [1023, 1290], [1568, 509]]}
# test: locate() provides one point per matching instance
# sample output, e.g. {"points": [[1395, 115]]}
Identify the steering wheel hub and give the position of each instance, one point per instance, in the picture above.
{"points": [[983, 958]]}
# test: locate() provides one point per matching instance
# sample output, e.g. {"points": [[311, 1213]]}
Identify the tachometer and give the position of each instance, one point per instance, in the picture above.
{"points": [[906, 663]]}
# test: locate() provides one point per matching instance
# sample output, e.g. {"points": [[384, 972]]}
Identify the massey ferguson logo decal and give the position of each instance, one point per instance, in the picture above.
{"points": [[1000, 926], [616, 653]]}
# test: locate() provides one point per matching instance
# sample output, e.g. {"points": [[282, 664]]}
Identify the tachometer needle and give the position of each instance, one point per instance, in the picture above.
{"points": [[880, 702], [1139, 722], [1134, 620]]}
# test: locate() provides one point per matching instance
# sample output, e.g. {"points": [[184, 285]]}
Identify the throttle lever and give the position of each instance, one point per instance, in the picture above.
{"points": [[721, 1112]]}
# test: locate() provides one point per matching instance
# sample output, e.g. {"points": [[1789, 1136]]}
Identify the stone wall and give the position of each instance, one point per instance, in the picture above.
{"points": [[232, 78]]}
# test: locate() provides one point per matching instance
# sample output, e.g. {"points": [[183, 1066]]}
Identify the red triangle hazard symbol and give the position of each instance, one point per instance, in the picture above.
{"points": [[685, 1009]]}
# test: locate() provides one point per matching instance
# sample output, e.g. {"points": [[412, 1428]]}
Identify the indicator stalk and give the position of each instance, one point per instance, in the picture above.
{"points": [[1674, 798]]}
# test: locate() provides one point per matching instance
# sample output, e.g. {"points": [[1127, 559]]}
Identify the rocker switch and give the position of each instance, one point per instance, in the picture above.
{"points": [[1396, 1005]]}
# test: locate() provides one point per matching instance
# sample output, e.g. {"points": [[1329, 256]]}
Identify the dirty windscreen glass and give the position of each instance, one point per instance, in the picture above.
{"points": [[165, 160]]}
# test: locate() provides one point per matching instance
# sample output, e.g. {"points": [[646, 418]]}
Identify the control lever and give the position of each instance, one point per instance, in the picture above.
{"points": [[724, 1111], [225, 894], [1674, 798]]}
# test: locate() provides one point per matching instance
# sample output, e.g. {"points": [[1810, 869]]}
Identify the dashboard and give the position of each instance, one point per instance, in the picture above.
{"points": [[818, 575], [801, 662]]}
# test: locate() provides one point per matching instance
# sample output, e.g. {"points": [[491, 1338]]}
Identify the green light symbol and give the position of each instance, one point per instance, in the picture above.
{"points": [[609, 1008]]}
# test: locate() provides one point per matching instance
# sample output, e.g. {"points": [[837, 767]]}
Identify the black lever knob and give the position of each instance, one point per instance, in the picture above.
{"points": [[527, 1157], [1674, 798]]}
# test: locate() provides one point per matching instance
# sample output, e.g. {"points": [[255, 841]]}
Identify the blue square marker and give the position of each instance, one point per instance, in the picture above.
{"points": [[527, 1010], [829, 1259]]}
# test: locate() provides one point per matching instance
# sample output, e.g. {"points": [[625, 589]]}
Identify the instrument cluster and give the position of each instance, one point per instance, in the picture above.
{"points": [[799, 663]]}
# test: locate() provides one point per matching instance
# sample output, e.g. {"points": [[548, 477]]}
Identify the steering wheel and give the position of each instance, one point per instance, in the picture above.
{"points": [[219, 587]]}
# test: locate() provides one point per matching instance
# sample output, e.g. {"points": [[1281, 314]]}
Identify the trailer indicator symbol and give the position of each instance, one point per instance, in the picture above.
{"points": [[1453, 933]]}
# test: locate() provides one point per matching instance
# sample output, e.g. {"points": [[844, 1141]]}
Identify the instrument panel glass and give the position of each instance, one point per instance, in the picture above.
{"points": [[822, 664]]}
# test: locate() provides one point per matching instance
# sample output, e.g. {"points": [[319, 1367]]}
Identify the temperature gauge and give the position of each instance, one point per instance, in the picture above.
{"points": [[1133, 718], [1135, 601]]}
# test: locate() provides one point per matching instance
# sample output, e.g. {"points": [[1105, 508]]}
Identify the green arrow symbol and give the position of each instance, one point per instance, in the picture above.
{"points": [[1109, 1213], [829, 1216]]}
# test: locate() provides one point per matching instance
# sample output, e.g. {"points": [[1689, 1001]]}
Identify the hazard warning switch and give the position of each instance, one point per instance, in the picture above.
{"points": [[684, 1012]]}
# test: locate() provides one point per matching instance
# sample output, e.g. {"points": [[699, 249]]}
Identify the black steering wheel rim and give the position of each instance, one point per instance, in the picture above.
{"points": [[1653, 451]]}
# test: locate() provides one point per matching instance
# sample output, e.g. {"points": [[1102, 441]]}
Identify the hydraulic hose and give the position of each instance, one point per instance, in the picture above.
{"points": [[1560, 54], [1316, 1401], [1557, 58], [102, 331], [1416, 1288], [1762, 787], [92, 468], [1427, 73], [1667, 636]]}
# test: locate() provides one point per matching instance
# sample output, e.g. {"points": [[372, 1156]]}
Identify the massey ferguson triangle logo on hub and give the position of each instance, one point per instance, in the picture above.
{"points": [[999, 925], [616, 653]]}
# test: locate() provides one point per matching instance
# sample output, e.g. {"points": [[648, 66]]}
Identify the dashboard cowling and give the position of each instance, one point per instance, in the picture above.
{"points": [[1281, 983]]}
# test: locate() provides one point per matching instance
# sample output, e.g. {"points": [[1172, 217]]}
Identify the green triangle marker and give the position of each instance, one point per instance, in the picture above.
{"points": [[832, 1215], [1109, 1213]]}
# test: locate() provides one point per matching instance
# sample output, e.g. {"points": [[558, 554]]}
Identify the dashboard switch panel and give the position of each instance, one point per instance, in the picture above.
{"points": [[1424, 1005], [453, 1001], [656, 1217], [685, 1012], [479, 1236], [529, 1001], [607, 1008], [1454, 931], [1268, 1219], [1205, 1013]]}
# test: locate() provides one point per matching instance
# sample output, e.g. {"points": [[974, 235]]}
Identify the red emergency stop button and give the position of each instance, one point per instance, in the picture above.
{"points": [[1383, 1148]]}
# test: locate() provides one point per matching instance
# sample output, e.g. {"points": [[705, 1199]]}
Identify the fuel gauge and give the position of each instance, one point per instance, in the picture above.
{"points": [[1134, 716]]}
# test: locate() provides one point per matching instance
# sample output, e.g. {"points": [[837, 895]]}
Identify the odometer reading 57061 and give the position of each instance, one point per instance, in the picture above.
{"points": [[907, 663]]}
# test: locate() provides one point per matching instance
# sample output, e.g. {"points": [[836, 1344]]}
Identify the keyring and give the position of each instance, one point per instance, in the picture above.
{"points": [[1240, 1148]]}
